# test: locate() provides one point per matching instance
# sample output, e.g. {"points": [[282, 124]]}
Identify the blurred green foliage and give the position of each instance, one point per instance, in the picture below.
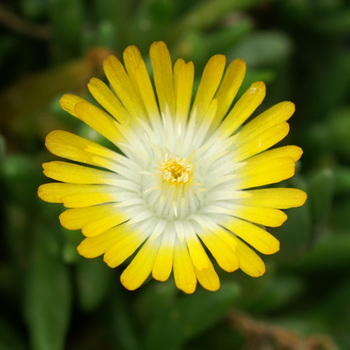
{"points": [[52, 299]]}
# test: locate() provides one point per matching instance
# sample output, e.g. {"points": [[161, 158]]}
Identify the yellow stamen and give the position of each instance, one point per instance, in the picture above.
{"points": [[176, 170]]}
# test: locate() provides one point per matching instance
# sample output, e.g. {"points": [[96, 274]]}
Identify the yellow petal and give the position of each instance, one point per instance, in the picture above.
{"points": [[123, 87], [208, 85], [293, 152], [198, 255], [208, 278], [139, 76], [262, 216], [75, 219], [223, 254], [99, 120], [117, 168], [163, 263], [228, 89], [282, 198], [250, 262], [141, 266], [258, 238], [99, 226], [265, 173], [227, 238], [87, 199], [108, 100], [68, 102], [163, 76], [203, 128], [249, 147], [277, 114], [277, 159], [77, 174], [125, 247], [185, 277], [243, 109], [67, 145], [104, 152], [54, 192], [183, 85], [93, 247]]}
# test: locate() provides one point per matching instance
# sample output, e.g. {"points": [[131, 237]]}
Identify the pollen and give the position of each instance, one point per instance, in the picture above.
{"points": [[176, 170]]}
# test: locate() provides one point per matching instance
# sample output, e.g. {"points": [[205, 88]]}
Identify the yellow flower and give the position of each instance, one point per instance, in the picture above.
{"points": [[183, 178]]}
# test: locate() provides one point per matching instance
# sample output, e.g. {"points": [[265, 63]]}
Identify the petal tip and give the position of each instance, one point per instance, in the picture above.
{"points": [[240, 61], [158, 47], [68, 101], [302, 198], [41, 192], [259, 85]]}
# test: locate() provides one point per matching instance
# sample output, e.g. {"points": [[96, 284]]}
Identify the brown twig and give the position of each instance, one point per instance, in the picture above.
{"points": [[262, 336], [22, 26]]}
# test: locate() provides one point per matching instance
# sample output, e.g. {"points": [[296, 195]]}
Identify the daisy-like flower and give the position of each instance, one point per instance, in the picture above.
{"points": [[182, 183]]}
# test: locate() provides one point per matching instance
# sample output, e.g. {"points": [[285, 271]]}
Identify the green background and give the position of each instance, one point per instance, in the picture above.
{"points": [[52, 299]]}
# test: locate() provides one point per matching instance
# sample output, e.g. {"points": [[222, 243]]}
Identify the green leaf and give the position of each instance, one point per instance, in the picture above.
{"points": [[67, 18], [106, 34], [320, 100], [155, 297], [15, 235], [295, 234], [47, 296], [120, 319], [342, 180], [93, 282], [263, 48], [118, 14], [162, 10], [329, 254], [2, 149], [274, 293], [198, 47], [72, 239], [334, 24], [21, 176], [338, 129], [207, 13], [34, 9], [10, 338], [335, 309], [340, 214], [321, 190], [189, 316]]}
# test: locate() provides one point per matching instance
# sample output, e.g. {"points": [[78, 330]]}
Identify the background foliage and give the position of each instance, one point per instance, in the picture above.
{"points": [[51, 299]]}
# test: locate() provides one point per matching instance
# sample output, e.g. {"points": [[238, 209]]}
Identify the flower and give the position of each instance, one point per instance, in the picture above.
{"points": [[182, 181]]}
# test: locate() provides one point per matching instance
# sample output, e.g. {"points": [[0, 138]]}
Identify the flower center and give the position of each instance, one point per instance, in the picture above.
{"points": [[176, 170]]}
